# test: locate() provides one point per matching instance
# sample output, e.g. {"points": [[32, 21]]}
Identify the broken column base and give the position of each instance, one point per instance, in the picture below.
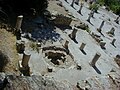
{"points": [[24, 70], [102, 45], [50, 69], [79, 67]]}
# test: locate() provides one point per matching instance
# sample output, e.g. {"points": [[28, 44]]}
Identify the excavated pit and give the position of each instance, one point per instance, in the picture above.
{"points": [[57, 56]]}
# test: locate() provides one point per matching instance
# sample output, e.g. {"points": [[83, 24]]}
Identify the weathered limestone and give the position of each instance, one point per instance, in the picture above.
{"points": [[113, 42], [111, 32], [95, 59], [66, 44], [26, 58], [102, 44], [82, 46], [20, 46], [100, 28]]}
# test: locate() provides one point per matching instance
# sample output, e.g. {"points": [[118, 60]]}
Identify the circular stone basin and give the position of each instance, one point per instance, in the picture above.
{"points": [[58, 57]]}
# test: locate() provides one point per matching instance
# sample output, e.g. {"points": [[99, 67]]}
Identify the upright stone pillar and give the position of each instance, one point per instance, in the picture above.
{"points": [[100, 28], [25, 60], [19, 22], [73, 35], [82, 46], [112, 31], [95, 59], [72, 4], [113, 42], [90, 15], [66, 44], [81, 6], [79, 66], [18, 27], [117, 19], [93, 11], [102, 44]]}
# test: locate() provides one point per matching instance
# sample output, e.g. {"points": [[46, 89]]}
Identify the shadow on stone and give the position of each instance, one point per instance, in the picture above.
{"points": [[90, 22], [73, 39], [63, 27], [83, 52], [40, 29], [97, 70]]}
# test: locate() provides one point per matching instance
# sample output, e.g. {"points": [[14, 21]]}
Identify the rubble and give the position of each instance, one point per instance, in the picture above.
{"points": [[62, 20], [35, 82], [20, 46], [96, 37], [82, 26]]}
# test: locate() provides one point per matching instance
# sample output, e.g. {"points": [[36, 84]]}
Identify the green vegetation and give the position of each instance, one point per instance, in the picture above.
{"points": [[114, 5], [94, 7], [34, 46], [88, 29]]}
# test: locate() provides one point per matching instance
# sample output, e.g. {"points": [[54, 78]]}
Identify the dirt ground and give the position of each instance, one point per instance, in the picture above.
{"points": [[8, 48]]}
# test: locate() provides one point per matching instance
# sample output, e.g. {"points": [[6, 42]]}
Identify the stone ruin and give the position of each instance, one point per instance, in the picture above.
{"points": [[57, 56], [97, 37], [62, 20]]}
